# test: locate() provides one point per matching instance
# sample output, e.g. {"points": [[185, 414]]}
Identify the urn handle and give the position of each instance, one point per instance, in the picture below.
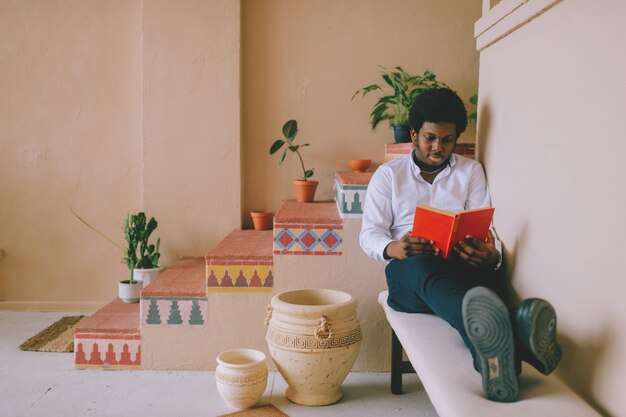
{"points": [[324, 327], [268, 314]]}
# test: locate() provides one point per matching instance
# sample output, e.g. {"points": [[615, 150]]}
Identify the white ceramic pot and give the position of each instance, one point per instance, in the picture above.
{"points": [[241, 377], [130, 293], [314, 338], [146, 275]]}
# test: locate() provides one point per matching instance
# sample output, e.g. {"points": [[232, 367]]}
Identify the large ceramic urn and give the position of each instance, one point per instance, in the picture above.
{"points": [[313, 337]]}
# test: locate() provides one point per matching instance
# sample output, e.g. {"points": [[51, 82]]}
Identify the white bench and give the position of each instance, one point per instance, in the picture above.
{"points": [[444, 366]]}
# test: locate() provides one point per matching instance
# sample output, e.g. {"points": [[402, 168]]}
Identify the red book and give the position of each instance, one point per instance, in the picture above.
{"points": [[446, 229]]}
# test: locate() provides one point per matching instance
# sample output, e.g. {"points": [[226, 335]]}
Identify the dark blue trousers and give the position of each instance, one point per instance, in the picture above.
{"points": [[429, 284]]}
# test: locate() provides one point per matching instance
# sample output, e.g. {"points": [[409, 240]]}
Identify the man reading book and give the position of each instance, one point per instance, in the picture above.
{"points": [[461, 288]]}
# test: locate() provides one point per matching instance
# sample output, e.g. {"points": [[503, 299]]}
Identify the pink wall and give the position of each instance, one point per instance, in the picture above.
{"points": [[304, 60], [551, 113]]}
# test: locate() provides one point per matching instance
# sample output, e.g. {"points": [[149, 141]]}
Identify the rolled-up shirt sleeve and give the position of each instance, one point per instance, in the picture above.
{"points": [[377, 215]]}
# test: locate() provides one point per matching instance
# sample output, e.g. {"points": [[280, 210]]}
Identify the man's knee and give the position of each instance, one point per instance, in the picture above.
{"points": [[413, 265]]}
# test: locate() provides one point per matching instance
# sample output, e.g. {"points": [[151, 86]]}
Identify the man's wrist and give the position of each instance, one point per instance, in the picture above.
{"points": [[385, 254]]}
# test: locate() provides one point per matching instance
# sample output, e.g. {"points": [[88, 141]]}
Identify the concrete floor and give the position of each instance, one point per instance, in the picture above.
{"points": [[46, 384]]}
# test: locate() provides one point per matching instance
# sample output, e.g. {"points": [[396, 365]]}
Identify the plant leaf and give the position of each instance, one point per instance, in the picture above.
{"points": [[308, 173], [276, 146], [282, 157], [474, 99], [290, 130], [367, 89]]}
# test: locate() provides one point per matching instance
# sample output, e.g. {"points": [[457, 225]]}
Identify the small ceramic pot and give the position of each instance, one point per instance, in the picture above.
{"points": [[130, 292], [147, 275], [262, 220], [241, 377], [305, 190], [359, 165]]}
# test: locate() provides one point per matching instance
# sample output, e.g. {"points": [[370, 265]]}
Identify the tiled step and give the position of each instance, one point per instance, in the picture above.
{"points": [[308, 229], [395, 150], [242, 261], [352, 272], [110, 338], [177, 298], [350, 190]]}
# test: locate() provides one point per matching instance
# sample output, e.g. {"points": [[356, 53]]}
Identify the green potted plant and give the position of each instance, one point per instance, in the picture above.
{"points": [[305, 188], [473, 116], [137, 232], [394, 105]]}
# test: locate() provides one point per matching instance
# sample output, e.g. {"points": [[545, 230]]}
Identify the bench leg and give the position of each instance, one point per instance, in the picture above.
{"points": [[396, 364]]}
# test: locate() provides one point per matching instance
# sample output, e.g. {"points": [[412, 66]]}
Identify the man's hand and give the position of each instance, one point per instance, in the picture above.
{"points": [[410, 246], [478, 253]]}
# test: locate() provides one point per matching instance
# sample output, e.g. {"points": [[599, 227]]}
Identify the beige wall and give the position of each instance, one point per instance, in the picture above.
{"points": [[550, 130], [192, 179], [112, 107], [70, 111], [305, 59]]}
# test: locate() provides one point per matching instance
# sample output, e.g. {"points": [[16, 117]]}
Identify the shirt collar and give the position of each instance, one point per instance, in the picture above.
{"points": [[416, 169]]}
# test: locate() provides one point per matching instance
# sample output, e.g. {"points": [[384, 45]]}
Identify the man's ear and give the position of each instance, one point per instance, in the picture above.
{"points": [[413, 134]]}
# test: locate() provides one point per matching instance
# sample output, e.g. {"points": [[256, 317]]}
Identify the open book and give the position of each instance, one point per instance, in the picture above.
{"points": [[446, 229]]}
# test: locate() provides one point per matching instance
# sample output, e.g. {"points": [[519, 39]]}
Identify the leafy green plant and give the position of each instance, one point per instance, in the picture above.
{"points": [[473, 116], [137, 232], [394, 105], [290, 131]]}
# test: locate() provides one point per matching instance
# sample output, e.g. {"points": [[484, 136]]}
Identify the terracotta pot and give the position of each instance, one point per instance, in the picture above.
{"points": [[130, 292], [241, 377], [305, 190], [359, 165], [146, 275], [314, 338], [262, 220]]}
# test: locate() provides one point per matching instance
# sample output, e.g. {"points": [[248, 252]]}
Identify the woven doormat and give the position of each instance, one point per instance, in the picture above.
{"points": [[267, 410], [59, 337]]}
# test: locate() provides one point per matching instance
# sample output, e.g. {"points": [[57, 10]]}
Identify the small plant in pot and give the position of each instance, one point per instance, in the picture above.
{"points": [[394, 105], [137, 233], [305, 188]]}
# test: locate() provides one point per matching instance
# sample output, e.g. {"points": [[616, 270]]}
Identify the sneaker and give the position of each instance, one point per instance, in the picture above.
{"points": [[488, 326], [536, 328]]}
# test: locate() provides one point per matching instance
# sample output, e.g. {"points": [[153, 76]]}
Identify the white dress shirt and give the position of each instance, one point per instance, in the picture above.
{"points": [[397, 187]]}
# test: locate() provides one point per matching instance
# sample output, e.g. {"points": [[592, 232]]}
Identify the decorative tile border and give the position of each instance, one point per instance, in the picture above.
{"points": [[107, 351], [350, 199], [174, 312], [240, 275], [308, 239]]}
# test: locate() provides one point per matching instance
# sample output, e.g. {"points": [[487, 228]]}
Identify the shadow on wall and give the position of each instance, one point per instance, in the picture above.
{"points": [[581, 358], [580, 363], [482, 135]]}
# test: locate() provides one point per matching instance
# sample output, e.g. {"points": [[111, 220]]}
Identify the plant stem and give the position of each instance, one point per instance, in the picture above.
{"points": [[302, 163], [96, 230]]}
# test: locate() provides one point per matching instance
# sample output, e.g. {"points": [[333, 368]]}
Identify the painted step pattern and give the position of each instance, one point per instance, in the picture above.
{"points": [[109, 339], [242, 261], [308, 229], [177, 298], [350, 191]]}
